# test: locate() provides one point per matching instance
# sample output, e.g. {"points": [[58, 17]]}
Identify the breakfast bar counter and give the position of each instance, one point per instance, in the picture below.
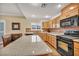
{"points": [[30, 45]]}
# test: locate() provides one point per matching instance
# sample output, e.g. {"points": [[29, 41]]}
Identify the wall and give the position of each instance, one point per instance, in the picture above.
{"points": [[9, 19]]}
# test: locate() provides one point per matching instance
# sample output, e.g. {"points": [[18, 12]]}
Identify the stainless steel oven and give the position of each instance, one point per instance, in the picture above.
{"points": [[65, 46]]}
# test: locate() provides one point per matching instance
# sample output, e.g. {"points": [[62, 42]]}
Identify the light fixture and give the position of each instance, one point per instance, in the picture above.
{"points": [[71, 7], [59, 5], [47, 16], [42, 5], [33, 16], [36, 4]]}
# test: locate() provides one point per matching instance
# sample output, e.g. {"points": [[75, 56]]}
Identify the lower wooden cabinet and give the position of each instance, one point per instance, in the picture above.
{"points": [[76, 48], [51, 39], [43, 35], [53, 42]]}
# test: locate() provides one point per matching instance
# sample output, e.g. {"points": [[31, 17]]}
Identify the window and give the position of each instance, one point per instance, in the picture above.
{"points": [[36, 26]]}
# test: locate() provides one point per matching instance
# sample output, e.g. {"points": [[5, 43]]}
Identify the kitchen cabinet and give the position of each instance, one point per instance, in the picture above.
{"points": [[76, 48], [50, 24], [43, 35], [45, 24], [56, 22], [70, 10], [51, 39]]}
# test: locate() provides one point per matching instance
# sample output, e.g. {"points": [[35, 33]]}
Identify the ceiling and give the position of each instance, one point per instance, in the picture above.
{"points": [[31, 10], [9, 9]]}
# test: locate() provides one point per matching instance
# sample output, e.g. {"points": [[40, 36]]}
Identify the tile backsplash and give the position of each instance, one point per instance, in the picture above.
{"points": [[63, 29]]}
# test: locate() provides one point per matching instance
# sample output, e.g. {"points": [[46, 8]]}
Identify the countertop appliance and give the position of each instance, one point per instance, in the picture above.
{"points": [[65, 44], [71, 21]]}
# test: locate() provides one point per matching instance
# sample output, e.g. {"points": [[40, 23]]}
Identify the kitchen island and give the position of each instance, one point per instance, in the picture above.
{"points": [[31, 45]]}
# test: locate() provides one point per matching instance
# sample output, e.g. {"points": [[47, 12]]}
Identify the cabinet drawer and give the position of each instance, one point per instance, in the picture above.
{"points": [[76, 53], [76, 45]]}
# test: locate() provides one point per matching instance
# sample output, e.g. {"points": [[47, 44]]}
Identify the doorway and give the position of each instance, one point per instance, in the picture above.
{"points": [[2, 31]]}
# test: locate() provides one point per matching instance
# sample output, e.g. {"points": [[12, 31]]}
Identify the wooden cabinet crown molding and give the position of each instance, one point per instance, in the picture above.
{"points": [[70, 7]]}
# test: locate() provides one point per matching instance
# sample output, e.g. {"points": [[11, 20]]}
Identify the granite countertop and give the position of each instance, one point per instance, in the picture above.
{"points": [[26, 46], [56, 33]]}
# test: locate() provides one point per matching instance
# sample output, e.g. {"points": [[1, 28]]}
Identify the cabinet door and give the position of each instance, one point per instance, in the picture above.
{"points": [[44, 36], [50, 39], [54, 41], [76, 48], [50, 24], [76, 52]]}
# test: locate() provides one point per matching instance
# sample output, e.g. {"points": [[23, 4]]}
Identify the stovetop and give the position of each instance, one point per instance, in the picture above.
{"points": [[70, 37], [71, 34]]}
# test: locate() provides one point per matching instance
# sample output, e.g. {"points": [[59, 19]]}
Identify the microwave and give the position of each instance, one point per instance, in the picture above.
{"points": [[71, 21]]}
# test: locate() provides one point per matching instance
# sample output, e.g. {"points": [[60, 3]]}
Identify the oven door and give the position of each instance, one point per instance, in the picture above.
{"points": [[64, 46]]}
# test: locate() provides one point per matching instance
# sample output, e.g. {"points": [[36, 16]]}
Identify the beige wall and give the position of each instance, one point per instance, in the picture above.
{"points": [[9, 19]]}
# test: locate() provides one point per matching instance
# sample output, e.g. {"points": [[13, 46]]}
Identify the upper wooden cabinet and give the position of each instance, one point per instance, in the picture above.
{"points": [[56, 22], [50, 24], [45, 24], [70, 10]]}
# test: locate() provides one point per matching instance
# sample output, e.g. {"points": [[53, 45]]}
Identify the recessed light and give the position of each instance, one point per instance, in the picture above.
{"points": [[35, 4], [47, 16], [59, 5], [71, 7], [33, 16], [33, 52]]}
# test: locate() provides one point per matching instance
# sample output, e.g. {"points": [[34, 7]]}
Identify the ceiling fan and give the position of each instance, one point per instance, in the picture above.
{"points": [[43, 5]]}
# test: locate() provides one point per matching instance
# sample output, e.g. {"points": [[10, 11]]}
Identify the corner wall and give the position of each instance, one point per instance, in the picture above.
{"points": [[10, 19]]}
